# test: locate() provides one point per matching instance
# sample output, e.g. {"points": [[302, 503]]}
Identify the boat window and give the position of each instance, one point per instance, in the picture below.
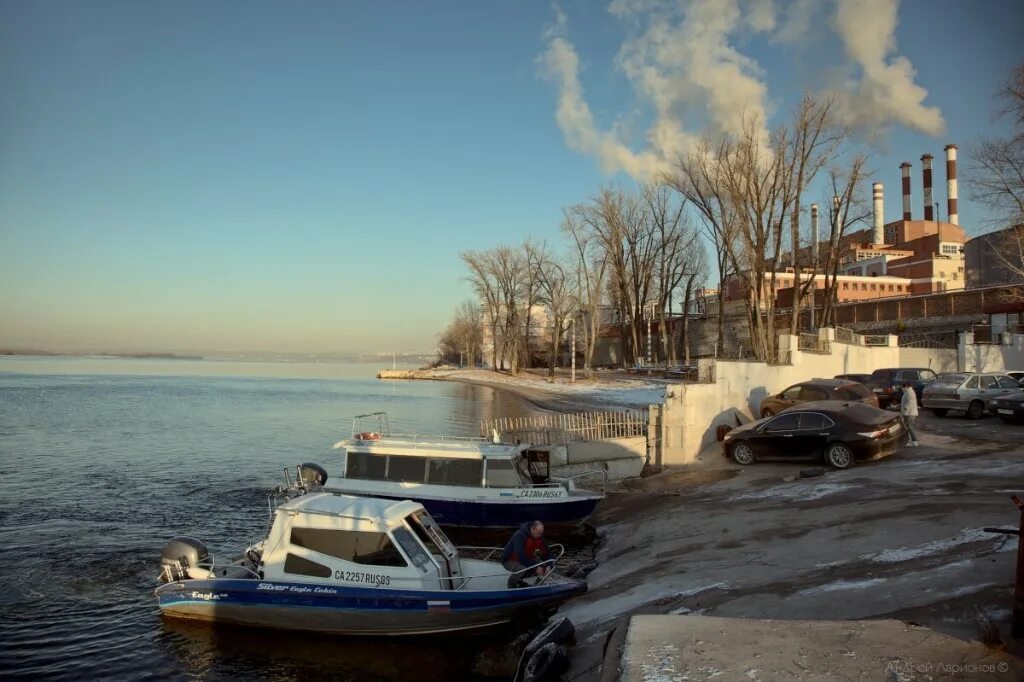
{"points": [[361, 547], [365, 466], [501, 473], [465, 472], [418, 522], [406, 469], [412, 548], [297, 565]]}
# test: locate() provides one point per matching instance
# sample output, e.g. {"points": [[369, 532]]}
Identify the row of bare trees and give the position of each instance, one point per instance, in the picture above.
{"points": [[631, 256], [628, 257]]}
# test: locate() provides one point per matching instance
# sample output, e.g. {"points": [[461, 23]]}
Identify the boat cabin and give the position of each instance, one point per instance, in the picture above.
{"points": [[473, 464], [333, 539]]}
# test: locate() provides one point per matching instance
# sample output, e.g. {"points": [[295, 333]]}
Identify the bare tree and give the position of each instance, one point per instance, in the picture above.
{"points": [[996, 177], [589, 265], [848, 207], [484, 281], [555, 290], [996, 173], [462, 340]]}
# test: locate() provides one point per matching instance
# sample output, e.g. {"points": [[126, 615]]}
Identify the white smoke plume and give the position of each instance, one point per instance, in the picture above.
{"points": [[681, 60], [886, 92]]}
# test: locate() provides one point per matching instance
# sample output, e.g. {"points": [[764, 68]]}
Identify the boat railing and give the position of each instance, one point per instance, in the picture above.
{"points": [[491, 551], [560, 483]]}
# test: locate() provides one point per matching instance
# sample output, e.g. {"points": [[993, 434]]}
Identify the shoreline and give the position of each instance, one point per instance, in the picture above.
{"points": [[607, 392]]}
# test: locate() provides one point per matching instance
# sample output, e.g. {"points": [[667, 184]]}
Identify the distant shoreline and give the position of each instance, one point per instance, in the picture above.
{"points": [[141, 356]]}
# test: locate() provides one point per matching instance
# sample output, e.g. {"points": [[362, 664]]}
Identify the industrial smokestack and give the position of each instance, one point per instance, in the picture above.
{"points": [[926, 170], [878, 234], [951, 207], [906, 190]]}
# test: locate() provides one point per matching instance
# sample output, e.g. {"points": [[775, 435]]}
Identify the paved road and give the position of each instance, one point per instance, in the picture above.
{"points": [[899, 538]]}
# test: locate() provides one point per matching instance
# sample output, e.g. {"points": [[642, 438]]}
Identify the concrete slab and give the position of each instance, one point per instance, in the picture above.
{"points": [[667, 648]]}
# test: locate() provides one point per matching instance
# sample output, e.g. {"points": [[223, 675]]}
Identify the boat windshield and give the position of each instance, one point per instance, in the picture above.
{"points": [[430, 534], [503, 473]]}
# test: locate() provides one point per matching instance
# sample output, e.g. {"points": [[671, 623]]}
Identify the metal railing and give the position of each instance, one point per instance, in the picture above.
{"points": [[845, 335], [813, 343], [876, 339], [559, 429]]}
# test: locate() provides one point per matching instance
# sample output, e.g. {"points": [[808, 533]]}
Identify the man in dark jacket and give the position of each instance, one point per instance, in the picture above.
{"points": [[526, 549]]}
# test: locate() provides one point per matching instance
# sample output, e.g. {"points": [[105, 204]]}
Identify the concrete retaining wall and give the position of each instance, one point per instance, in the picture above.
{"points": [[692, 412], [985, 357]]}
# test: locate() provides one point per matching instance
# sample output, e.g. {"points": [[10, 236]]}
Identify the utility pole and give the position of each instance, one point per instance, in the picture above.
{"points": [[649, 359], [572, 378]]}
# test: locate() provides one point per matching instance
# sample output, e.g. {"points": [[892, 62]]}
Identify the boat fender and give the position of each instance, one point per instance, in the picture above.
{"points": [[310, 474], [558, 631], [550, 661]]}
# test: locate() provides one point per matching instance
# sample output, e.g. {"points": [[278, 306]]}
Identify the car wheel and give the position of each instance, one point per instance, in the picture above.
{"points": [[939, 412], [767, 412], [839, 456], [743, 454], [975, 410]]}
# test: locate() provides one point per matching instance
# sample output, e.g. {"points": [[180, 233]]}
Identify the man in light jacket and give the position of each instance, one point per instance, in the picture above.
{"points": [[908, 410]]}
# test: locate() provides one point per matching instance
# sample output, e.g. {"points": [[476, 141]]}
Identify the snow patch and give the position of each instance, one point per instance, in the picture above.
{"points": [[965, 536], [796, 492], [840, 585], [609, 607]]}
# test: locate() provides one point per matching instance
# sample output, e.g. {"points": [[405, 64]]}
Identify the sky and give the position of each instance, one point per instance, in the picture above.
{"points": [[302, 177]]}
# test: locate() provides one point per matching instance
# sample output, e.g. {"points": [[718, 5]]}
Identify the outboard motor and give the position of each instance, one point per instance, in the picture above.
{"points": [[182, 553], [312, 474]]}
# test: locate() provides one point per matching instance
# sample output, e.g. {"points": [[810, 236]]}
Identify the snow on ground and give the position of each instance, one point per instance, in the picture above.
{"points": [[618, 391], [796, 492]]}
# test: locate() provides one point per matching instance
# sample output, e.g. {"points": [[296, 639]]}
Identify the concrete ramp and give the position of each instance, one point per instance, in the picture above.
{"points": [[668, 648]]}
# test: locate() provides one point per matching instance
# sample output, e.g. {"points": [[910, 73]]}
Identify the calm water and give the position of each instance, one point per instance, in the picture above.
{"points": [[102, 460]]}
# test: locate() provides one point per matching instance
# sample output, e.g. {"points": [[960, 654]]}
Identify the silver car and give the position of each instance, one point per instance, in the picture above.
{"points": [[967, 391]]}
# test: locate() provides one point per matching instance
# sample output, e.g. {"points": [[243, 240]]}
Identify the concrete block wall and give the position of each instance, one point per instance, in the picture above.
{"points": [[691, 412]]}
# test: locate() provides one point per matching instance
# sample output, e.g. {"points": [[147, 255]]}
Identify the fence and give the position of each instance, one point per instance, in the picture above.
{"points": [[876, 339], [812, 343], [559, 429], [845, 335]]}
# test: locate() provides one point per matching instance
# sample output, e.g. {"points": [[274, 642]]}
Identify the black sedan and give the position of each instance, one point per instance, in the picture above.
{"points": [[839, 431], [1009, 408]]}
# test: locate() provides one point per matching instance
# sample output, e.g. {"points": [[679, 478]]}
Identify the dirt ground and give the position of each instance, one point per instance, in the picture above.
{"points": [[898, 538]]}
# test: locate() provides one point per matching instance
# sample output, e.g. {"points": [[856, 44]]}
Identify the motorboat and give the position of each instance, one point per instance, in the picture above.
{"points": [[469, 483], [346, 564]]}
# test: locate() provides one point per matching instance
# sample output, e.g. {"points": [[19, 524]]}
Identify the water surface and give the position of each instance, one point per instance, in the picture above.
{"points": [[102, 460]]}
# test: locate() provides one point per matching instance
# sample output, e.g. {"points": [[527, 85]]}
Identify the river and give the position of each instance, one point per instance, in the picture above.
{"points": [[103, 459]]}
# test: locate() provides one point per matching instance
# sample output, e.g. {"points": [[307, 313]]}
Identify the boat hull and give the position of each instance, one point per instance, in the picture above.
{"points": [[353, 610]]}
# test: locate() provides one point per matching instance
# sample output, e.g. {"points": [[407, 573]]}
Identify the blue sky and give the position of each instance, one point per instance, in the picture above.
{"points": [[303, 176]]}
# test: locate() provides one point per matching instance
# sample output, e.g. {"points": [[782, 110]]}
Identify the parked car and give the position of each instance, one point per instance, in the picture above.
{"points": [[969, 392], [887, 384], [817, 389], [1016, 375], [839, 431], [859, 378], [1009, 408]]}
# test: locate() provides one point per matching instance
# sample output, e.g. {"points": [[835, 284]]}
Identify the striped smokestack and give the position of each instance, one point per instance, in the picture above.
{"points": [[878, 234], [905, 166], [926, 170], [951, 208]]}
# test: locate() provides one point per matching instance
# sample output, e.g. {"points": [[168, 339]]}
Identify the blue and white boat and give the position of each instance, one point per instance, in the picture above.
{"points": [[467, 483], [351, 565]]}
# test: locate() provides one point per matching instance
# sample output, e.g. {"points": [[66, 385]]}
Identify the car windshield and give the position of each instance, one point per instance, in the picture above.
{"points": [[951, 379]]}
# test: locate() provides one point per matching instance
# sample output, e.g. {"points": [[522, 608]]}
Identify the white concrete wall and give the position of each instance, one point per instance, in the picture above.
{"points": [[986, 357], [692, 411]]}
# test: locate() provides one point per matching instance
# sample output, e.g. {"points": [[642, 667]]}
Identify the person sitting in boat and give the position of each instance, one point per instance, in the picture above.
{"points": [[525, 550]]}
